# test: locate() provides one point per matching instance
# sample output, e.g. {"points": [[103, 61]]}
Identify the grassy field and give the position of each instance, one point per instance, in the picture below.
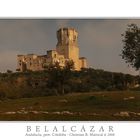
{"points": [[97, 106]]}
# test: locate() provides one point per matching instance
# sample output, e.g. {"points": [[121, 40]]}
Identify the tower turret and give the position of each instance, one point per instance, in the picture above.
{"points": [[67, 44]]}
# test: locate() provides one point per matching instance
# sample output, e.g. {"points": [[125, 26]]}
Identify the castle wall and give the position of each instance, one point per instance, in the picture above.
{"points": [[53, 57], [30, 62], [83, 62], [21, 65], [73, 54]]}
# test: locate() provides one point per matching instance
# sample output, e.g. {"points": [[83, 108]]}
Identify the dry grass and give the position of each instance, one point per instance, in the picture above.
{"points": [[79, 106]]}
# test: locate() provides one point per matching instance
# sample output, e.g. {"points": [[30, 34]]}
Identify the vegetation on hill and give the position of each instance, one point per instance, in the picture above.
{"points": [[57, 82]]}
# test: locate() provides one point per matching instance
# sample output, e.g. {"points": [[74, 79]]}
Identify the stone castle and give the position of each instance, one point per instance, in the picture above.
{"points": [[66, 49]]}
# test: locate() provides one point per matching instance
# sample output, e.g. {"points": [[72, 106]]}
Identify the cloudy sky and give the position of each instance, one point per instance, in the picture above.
{"points": [[99, 40]]}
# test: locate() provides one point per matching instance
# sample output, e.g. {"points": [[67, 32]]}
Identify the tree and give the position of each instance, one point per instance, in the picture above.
{"points": [[59, 76], [131, 46], [9, 71]]}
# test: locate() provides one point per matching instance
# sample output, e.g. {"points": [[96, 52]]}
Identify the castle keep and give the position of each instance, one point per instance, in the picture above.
{"points": [[66, 49]]}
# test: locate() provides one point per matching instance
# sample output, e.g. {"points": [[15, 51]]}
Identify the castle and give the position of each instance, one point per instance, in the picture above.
{"points": [[66, 49]]}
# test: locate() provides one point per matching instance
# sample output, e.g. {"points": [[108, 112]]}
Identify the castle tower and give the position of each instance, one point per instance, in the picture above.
{"points": [[67, 45]]}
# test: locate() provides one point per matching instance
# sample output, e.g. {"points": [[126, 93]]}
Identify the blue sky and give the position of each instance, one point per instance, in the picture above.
{"points": [[99, 40]]}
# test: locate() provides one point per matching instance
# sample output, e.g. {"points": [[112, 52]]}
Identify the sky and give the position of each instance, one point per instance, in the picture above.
{"points": [[99, 40]]}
